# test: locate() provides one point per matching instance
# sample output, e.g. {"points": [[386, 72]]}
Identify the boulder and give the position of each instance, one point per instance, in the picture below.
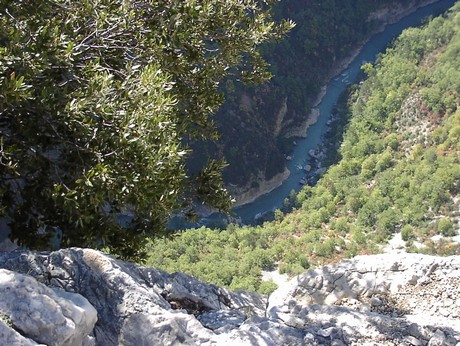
{"points": [[382, 299], [135, 303], [9, 336], [50, 316], [379, 298]]}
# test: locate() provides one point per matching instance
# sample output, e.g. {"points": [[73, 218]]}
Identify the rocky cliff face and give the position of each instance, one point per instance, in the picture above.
{"points": [[84, 297], [258, 124]]}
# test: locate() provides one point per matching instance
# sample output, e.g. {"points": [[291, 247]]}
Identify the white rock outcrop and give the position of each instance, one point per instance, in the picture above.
{"points": [[50, 316], [390, 299], [9, 336]]}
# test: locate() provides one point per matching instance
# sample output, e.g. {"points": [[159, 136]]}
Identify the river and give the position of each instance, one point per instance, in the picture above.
{"points": [[336, 86]]}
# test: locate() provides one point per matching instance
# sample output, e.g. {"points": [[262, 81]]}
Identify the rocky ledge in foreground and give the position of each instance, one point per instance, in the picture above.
{"points": [[84, 297]]}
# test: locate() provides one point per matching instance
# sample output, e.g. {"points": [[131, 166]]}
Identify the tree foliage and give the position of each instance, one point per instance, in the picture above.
{"points": [[266, 116], [99, 101], [399, 172]]}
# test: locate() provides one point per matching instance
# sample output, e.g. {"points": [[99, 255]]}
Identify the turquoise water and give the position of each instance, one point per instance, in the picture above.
{"points": [[300, 157], [336, 86]]}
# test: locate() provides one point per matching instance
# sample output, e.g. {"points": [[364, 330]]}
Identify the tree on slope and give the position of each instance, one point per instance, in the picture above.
{"points": [[98, 99]]}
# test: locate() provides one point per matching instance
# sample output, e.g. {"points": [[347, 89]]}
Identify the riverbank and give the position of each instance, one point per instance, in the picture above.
{"points": [[387, 16], [264, 186], [246, 195]]}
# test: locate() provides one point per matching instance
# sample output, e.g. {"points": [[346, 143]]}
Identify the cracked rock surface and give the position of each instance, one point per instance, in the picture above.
{"points": [[390, 299], [48, 315]]}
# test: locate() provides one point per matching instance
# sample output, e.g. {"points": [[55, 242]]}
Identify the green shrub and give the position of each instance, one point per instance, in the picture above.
{"points": [[291, 269], [446, 228], [311, 237], [388, 220], [261, 258], [248, 283], [278, 215], [267, 287], [325, 248], [384, 162], [352, 250], [407, 233], [358, 236], [341, 224], [303, 261]]}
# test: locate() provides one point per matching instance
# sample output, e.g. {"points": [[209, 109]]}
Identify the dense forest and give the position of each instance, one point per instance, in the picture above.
{"points": [[258, 124], [398, 172]]}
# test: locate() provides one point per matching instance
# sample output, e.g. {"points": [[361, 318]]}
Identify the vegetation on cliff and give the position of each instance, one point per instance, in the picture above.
{"points": [[99, 101], [257, 122], [399, 172]]}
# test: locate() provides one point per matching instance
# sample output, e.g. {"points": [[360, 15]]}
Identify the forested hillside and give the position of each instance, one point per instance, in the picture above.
{"points": [[258, 123], [399, 172]]}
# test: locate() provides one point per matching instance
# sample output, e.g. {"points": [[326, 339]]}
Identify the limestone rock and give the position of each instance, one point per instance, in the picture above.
{"points": [[399, 291], [135, 303], [9, 336], [390, 299], [47, 315]]}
